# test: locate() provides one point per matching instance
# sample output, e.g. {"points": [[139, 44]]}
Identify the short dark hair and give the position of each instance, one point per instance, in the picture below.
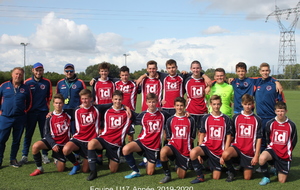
{"points": [[241, 65], [180, 99], [124, 69], [196, 62], [152, 62], [247, 98], [264, 64], [280, 105], [59, 96], [151, 96], [220, 70], [215, 97], [171, 62], [118, 93], [104, 65], [85, 92]]}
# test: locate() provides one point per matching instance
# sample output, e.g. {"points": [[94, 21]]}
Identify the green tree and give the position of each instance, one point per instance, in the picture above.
{"points": [[253, 71], [210, 73]]}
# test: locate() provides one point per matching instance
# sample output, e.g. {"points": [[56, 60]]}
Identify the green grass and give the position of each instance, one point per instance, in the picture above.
{"points": [[18, 178]]}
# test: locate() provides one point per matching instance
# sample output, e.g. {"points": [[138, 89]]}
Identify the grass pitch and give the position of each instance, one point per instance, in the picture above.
{"points": [[18, 178]]}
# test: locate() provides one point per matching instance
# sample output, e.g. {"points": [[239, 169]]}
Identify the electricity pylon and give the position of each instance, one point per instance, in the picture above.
{"points": [[287, 45]]}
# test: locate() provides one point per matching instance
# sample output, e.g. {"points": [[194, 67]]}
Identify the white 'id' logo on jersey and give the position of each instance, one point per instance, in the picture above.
{"points": [[86, 118], [245, 130], [216, 132], [115, 121], [61, 127], [154, 126], [151, 88], [124, 89], [280, 137], [180, 132], [105, 93], [172, 86], [197, 91]]}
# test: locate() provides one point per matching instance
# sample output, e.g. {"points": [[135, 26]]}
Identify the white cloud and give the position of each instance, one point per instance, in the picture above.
{"points": [[58, 41], [61, 34], [215, 30]]}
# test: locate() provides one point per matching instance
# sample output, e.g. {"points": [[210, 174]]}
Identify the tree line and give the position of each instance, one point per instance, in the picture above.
{"points": [[290, 72]]}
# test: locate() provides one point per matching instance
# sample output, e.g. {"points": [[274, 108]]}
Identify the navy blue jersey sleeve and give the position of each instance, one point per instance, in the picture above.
{"points": [[168, 128], [1, 94], [267, 130], [47, 134], [70, 112], [166, 115], [259, 130], [233, 128], [228, 125], [203, 121], [193, 128], [28, 98], [293, 134], [138, 118]]}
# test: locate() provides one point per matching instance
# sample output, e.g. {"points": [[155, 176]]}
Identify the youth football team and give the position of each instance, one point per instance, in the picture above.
{"points": [[103, 117]]}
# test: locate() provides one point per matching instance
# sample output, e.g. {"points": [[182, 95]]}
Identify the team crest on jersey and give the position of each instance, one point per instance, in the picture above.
{"points": [[245, 130], [246, 84], [180, 132], [216, 132], [115, 121], [151, 88], [8, 87], [87, 118], [197, 91], [153, 126], [269, 88], [22, 90], [74, 86], [42, 86], [280, 137]]}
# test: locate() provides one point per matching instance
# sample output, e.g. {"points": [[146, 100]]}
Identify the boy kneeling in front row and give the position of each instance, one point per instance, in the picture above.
{"points": [[57, 134], [281, 136]]}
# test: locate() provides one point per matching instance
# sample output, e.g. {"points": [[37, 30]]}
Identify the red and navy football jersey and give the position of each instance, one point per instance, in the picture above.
{"points": [[181, 131], [129, 90], [281, 137], [246, 129], [57, 129], [151, 85], [216, 129], [103, 91], [87, 123], [195, 91], [116, 126], [152, 128], [173, 88]]}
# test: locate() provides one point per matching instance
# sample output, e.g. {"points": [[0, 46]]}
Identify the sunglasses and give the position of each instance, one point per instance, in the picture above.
{"points": [[69, 71]]}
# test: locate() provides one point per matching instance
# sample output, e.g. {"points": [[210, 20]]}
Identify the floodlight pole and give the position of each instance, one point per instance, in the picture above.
{"points": [[24, 44], [125, 55]]}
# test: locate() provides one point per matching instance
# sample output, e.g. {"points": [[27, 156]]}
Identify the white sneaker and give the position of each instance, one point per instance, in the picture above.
{"points": [[24, 160], [45, 159]]}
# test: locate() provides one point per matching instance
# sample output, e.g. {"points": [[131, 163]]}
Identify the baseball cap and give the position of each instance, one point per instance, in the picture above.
{"points": [[38, 65], [69, 65]]}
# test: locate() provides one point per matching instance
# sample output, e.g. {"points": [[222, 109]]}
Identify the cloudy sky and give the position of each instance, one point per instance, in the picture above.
{"points": [[218, 33]]}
